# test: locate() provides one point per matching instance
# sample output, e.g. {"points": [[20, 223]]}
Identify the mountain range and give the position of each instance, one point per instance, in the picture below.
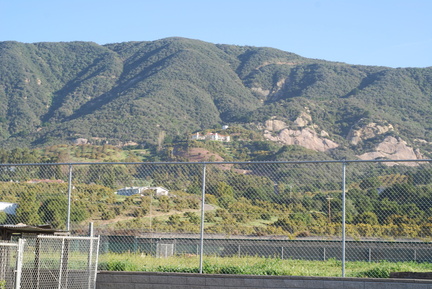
{"points": [[53, 93]]}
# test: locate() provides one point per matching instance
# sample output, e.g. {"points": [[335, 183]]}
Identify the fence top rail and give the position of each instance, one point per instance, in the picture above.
{"points": [[66, 237], [222, 163], [8, 244], [245, 240]]}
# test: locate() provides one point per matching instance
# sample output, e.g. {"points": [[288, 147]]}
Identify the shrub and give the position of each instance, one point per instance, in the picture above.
{"points": [[375, 273], [193, 217], [3, 217], [210, 217], [107, 214], [140, 212], [118, 266]]}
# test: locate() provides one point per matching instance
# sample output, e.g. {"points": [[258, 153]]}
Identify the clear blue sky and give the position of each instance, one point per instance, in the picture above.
{"points": [[391, 33]]}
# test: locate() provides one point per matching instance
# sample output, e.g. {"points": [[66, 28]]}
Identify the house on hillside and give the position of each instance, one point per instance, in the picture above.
{"points": [[211, 136], [130, 191]]}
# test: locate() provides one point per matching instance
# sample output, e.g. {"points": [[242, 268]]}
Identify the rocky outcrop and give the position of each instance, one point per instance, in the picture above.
{"points": [[303, 119], [305, 136], [393, 148], [303, 133], [259, 90], [81, 141], [275, 125], [371, 130]]}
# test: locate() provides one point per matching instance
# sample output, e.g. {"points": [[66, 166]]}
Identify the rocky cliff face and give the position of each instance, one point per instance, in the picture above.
{"points": [[393, 148], [368, 131], [304, 135]]}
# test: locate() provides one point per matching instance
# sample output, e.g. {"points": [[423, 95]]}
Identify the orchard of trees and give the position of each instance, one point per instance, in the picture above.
{"points": [[249, 199]]}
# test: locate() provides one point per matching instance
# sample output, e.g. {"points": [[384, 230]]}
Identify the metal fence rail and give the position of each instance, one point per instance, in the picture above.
{"points": [[316, 210]]}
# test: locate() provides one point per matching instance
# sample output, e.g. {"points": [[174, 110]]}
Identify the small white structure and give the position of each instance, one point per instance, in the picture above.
{"points": [[211, 136], [159, 191], [8, 208], [130, 191]]}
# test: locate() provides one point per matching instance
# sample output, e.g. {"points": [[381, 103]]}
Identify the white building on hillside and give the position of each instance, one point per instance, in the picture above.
{"points": [[130, 191], [211, 136]]}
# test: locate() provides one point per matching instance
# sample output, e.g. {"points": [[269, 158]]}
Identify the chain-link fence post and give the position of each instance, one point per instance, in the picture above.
{"points": [[343, 216], [90, 256], [202, 218], [19, 263], [69, 198]]}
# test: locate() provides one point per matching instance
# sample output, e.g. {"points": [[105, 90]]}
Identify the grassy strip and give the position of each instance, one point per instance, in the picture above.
{"points": [[256, 266]]}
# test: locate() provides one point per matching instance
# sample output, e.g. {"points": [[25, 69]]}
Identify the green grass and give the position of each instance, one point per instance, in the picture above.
{"points": [[255, 266]]}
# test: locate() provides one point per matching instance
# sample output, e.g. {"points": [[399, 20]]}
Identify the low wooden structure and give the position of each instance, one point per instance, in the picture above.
{"points": [[7, 232]]}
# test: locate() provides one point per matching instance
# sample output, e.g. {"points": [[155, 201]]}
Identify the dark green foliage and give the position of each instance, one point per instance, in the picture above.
{"points": [[79, 212], [108, 213], [57, 92], [377, 272], [3, 217], [373, 182], [366, 218], [124, 265], [27, 211], [53, 212], [192, 217]]}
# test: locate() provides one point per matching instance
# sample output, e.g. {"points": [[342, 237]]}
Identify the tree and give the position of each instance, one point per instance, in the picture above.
{"points": [[164, 204], [27, 211], [53, 211], [368, 183], [140, 212], [401, 193], [225, 194], [174, 220], [79, 212], [369, 218], [386, 208], [107, 213], [193, 217]]}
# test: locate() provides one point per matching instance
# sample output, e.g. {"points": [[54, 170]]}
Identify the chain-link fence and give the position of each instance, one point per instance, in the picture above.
{"points": [[49, 262], [343, 212], [59, 262], [8, 262]]}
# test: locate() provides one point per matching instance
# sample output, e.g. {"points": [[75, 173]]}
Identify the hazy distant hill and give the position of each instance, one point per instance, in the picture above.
{"points": [[58, 92]]}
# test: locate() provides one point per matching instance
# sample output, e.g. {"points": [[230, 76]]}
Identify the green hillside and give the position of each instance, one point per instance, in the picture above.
{"points": [[157, 92]]}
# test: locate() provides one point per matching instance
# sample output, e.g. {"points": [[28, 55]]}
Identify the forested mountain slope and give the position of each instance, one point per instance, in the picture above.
{"points": [[141, 91]]}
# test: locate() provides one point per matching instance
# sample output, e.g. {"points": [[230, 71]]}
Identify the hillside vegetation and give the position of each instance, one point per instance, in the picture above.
{"points": [[156, 93]]}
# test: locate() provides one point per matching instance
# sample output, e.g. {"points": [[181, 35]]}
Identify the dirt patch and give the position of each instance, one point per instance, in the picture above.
{"points": [[201, 155]]}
